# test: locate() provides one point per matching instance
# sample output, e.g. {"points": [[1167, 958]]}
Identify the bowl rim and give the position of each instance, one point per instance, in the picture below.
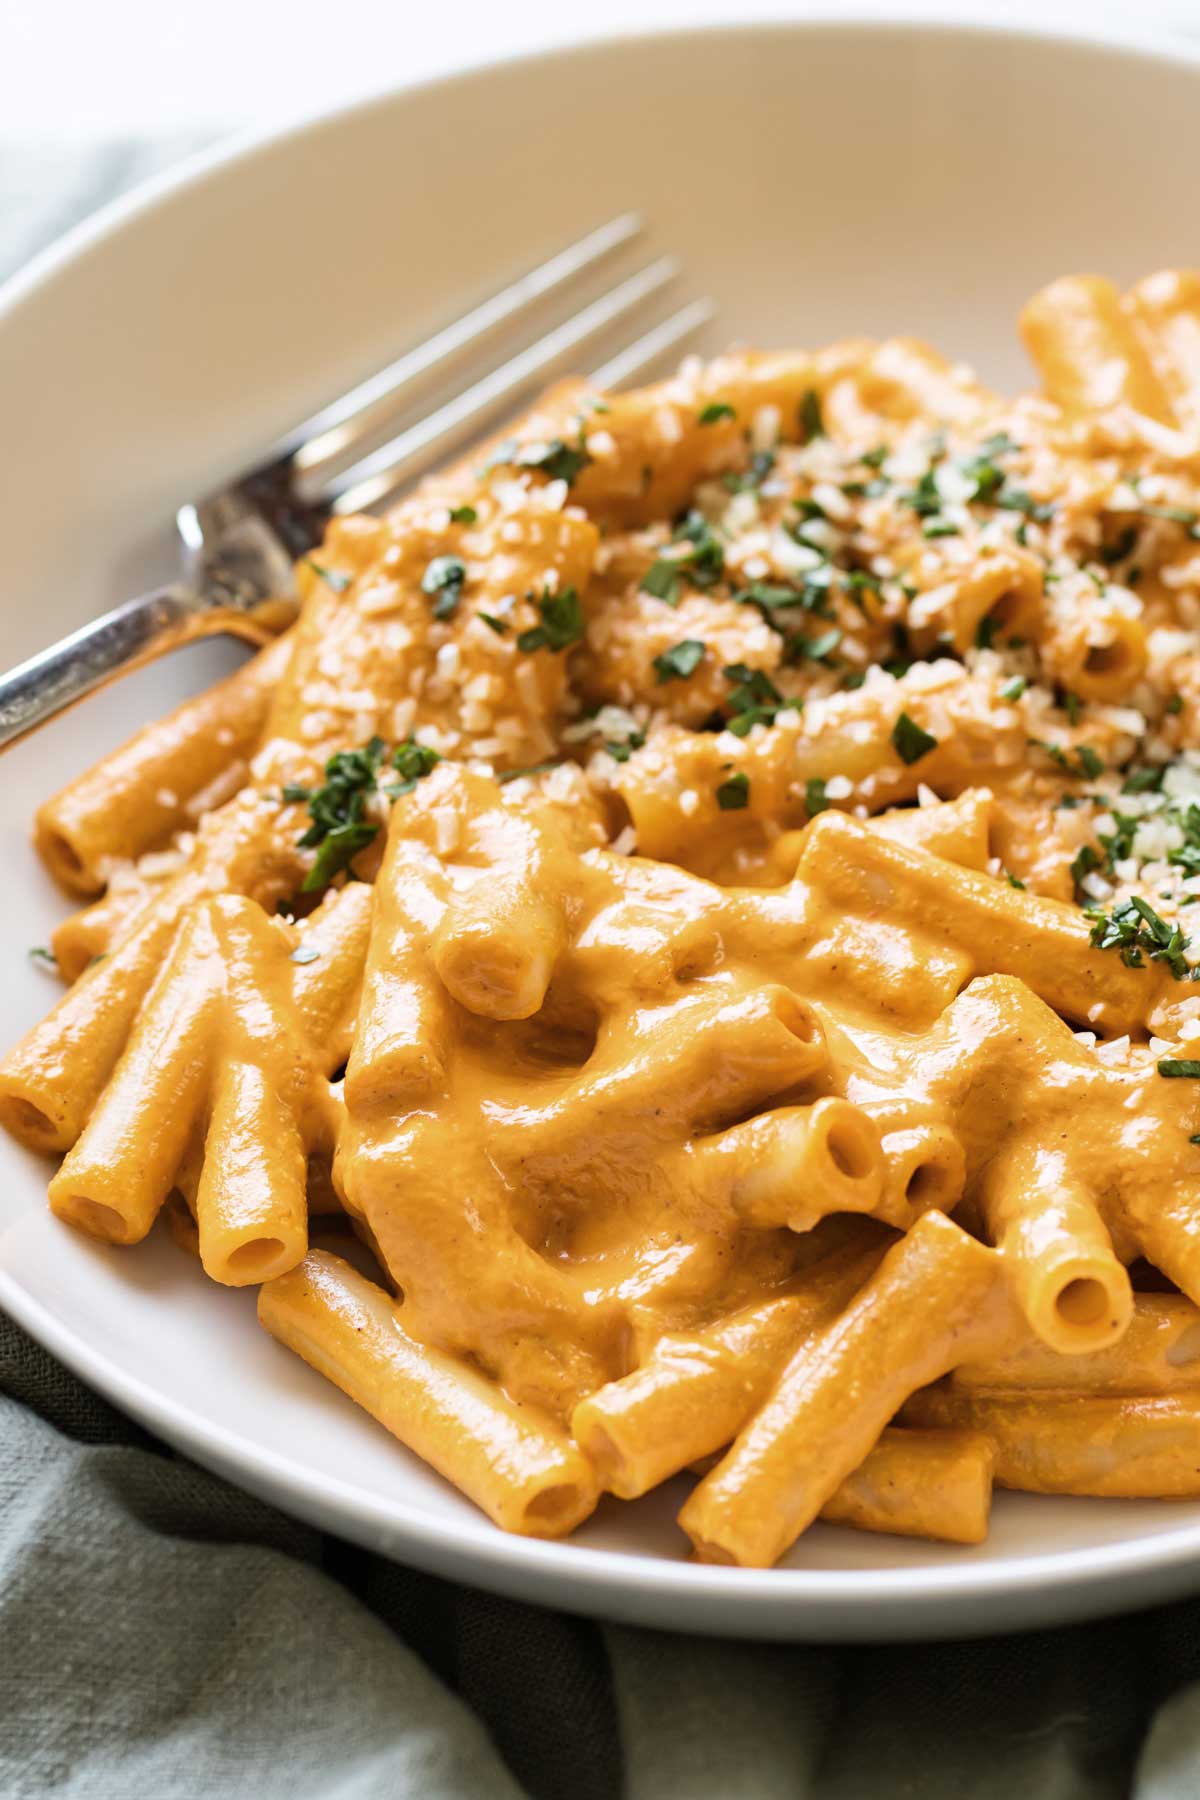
{"points": [[706, 1597]]}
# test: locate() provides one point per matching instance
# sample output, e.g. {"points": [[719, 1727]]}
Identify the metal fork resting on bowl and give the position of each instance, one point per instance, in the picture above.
{"points": [[238, 545]]}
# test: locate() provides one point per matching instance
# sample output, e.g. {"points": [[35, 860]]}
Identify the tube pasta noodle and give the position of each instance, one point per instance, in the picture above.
{"points": [[703, 902]]}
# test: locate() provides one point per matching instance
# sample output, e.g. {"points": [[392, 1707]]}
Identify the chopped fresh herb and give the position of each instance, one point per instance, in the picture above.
{"points": [[559, 460], [875, 458], [1174, 704], [1013, 688], [985, 632], [622, 749], [307, 953], [753, 700], [1072, 706], [532, 769], [1014, 499], [562, 622], [680, 661], [1013, 880], [443, 582], [411, 761], [815, 649], [1091, 764], [1083, 864], [493, 623], [734, 794], [815, 800], [663, 578], [924, 499], [985, 478], [292, 793], [1137, 931], [812, 425], [38, 953], [463, 515], [714, 412], [761, 464], [938, 528], [333, 578], [1175, 1067], [911, 742], [1143, 781]]}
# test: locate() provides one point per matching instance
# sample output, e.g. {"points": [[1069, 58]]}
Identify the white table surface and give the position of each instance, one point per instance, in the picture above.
{"points": [[101, 68]]}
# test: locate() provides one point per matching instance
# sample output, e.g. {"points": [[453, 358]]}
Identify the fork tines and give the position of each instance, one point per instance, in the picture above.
{"points": [[329, 466]]}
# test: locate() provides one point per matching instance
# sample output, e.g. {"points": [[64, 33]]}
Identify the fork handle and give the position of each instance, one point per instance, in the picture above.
{"points": [[119, 640]]}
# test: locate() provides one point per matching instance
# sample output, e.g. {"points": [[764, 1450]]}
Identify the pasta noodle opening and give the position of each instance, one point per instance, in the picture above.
{"points": [[1084, 1301], [852, 1153], [796, 1017], [257, 1259], [560, 1503], [94, 1217], [62, 858], [29, 1123]]}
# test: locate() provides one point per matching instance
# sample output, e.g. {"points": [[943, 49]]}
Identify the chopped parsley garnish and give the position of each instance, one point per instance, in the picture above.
{"points": [[761, 464], [562, 622], [1174, 1067], [621, 749], [924, 499], [307, 953], [938, 528], [339, 830], [1143, 781], [816, 649], [411, 761], [753, 700], [911, 742], [1137, 931], [333, 578], [38, 953], [875, 459], [734, 793], [532, 769], [1014, 499], [1083, 865], [812, 424], [704, 561], [443, 582], [1091, 763], [771, 597], [493, 623], [1174, 704], [463, 515], [559, 460], [680, 661], [1013, 880], [714, 412], [815, 800], [1013, 688]]}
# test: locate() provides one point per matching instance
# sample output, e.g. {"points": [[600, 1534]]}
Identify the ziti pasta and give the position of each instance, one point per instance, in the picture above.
{"points": [[713, 896]]}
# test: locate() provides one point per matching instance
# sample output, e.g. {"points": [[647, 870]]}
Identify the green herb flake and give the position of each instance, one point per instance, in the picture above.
{"points": [[1175, 1068], [815, 800], [39, 953], [733, 795], [561, 626], [1013, 688], [499, 626], [938, 528], [463, 515], [1013, 880], [559, 460], [680, 661], [411, 762], [1174, 704], [1090, 763], [541, 768], [910, 741], [443, 582], [333, 578], [714, 412], [753, 700], [812, 424]]}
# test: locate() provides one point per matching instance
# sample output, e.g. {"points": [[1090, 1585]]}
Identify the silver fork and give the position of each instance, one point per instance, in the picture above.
{"points": [[238, 545]]}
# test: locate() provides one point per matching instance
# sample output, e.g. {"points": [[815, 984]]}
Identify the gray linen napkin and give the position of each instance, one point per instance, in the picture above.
{"points": [[163, 1635]]}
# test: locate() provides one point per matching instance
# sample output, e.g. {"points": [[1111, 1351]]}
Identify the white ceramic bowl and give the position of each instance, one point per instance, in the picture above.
{"points": [[820, 179]]}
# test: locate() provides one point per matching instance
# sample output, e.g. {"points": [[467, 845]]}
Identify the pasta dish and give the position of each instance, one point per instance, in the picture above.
{"points": [[685, 959]]}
